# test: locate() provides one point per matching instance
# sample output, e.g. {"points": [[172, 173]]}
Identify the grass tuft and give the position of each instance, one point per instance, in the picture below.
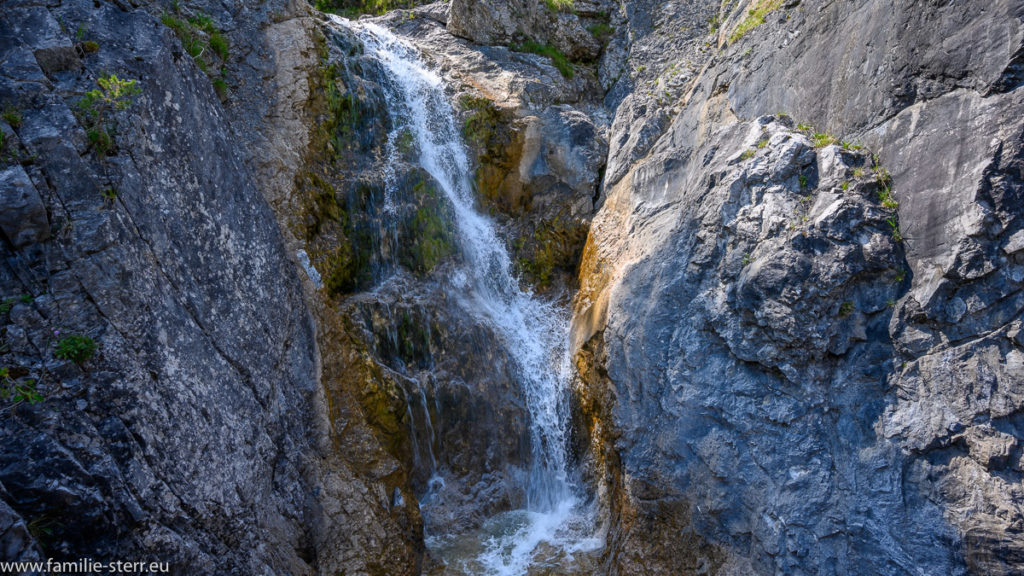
{"points": [[754, 18], [561, 61]]}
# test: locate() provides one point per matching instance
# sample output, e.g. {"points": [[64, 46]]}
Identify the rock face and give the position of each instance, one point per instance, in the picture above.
{"points": [[198, 426], [506, 22], [821, 399]]}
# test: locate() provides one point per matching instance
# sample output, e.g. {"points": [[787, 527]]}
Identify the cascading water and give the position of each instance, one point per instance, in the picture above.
{"points": [[535, 332]]}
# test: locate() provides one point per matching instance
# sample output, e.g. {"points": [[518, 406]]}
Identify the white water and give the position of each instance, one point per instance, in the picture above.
{"points": [[535, 332]]}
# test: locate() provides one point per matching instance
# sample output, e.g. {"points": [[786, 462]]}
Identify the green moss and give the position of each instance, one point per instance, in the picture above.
{"points": [[413, 340], [560, 60], [482, 121], [428, 238], [405, 142], [846, 309], [343, 111], [555, 244]]}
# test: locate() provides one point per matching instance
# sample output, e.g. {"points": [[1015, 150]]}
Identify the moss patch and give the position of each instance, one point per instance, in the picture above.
{"points": [[490, 131], [427, 239], [556, 244]]}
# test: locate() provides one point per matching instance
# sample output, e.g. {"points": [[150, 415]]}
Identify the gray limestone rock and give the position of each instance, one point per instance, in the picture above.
{"points": [[837, 405], [24, 218]]}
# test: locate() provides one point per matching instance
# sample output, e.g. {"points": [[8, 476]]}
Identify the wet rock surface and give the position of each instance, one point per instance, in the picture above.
{"points": [[538, 138]]}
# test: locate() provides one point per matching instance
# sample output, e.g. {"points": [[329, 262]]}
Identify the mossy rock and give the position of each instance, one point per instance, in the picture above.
{"points": [[556, 244], [427, 237], [497, 140]]}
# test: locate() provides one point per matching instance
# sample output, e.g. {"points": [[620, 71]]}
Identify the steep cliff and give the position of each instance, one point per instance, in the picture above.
{"points": [[166, 393], [789, 379]]}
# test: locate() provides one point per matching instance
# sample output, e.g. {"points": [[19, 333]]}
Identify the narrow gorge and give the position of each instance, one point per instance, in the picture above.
{"points": [[512, 287]]}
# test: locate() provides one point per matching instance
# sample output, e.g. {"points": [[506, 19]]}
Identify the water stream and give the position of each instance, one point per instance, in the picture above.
{"points": [[535, 332]]}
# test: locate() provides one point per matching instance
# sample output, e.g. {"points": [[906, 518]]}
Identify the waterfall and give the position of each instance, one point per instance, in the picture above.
{"points": [[535, 332]]}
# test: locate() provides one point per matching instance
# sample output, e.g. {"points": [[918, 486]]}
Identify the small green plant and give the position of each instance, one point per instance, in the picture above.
{"points": [[805, 128], [6, 305], [76, 348], [25, 391], [109, 193], [204, 42], [858, 173], [755, 17], [885, 196], [851, 147], [483, 121], [900, 275], [220, 86], [42, 528], [747, 154], [219, 45], [12, 116], [890, 303], [762, 143], [803, 181], [560, 60], [821, 139], [747, 259], [18, 391], [845, 309], [8, 149], [844, 186], [897, 236], [601, 31], [114, 94], [714, 23], [886, 199]]}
